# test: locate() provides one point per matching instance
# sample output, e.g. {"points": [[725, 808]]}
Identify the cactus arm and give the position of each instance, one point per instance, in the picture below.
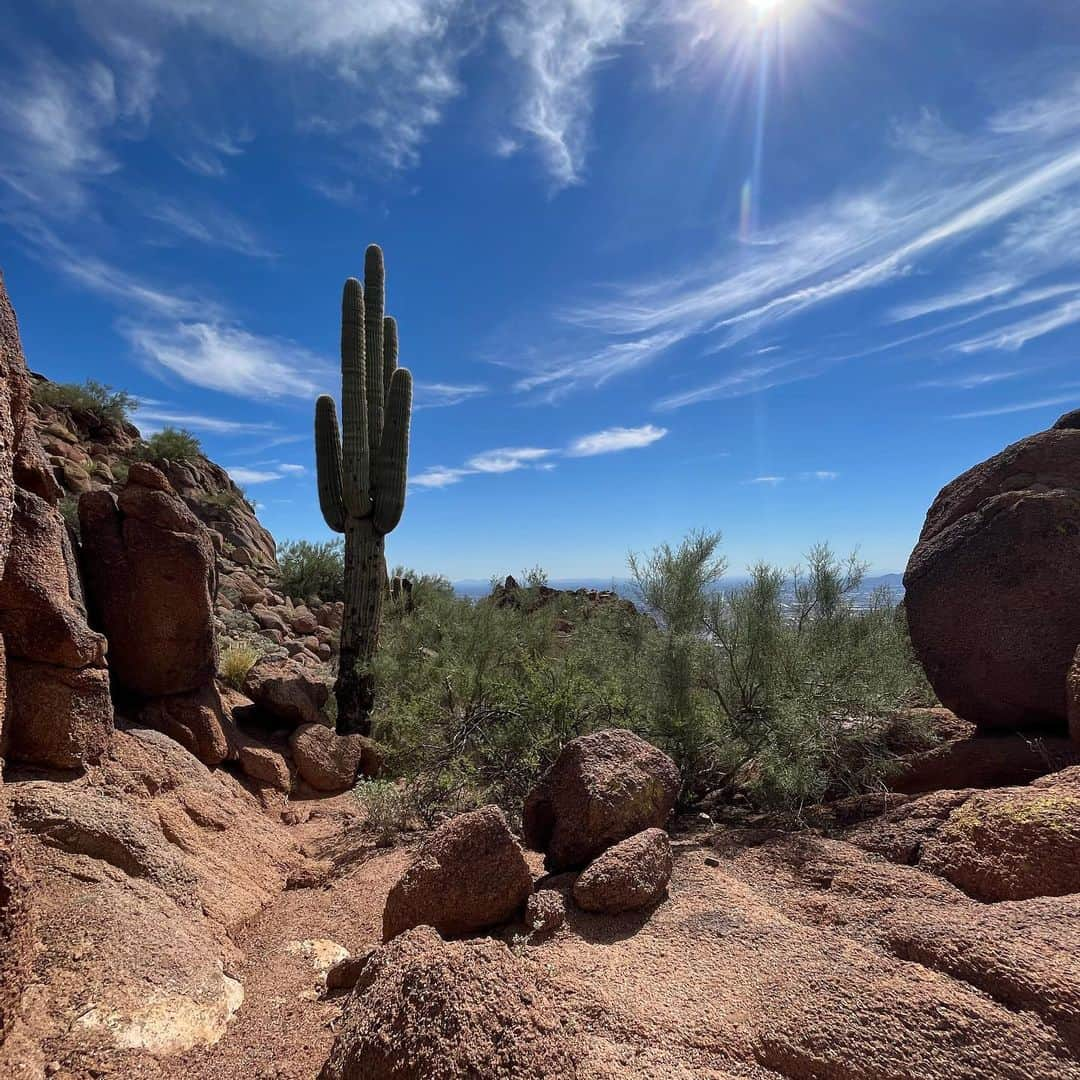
{"points": [[356, 456], [328, 463], [390, 352], [393, 460], [374, 308]]}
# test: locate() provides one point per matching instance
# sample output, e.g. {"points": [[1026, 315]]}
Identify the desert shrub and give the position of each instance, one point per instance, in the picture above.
{"points": [[235, 660], [120, 471], [385, 809], [102, 402], [475, 699], [170, 444], [312, 569], [779, 689], [224, 499]]}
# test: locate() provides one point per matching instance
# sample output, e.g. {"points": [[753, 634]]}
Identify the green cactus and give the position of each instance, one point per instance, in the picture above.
{"points": [[362, 471]]}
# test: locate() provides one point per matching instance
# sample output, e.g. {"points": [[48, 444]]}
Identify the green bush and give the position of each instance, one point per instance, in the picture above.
{"points": [[780, 690], [120, 471], [170, 444], [102, 402], [312, 569], [385, 809], [235, 660]]}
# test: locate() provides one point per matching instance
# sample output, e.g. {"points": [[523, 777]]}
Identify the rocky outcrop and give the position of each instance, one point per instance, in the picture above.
{"points": [[1073, 690], [139, 874], [630, 875], [197, 721], [602, 788], [425, 1009], [468, 875], [150, 577], [59, 711], [1002, 844], [991, 590], [286, 691]]}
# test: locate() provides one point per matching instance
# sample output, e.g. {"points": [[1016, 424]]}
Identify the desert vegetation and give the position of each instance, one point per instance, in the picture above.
{"points": [[104, 403], [777, 690], [312, 569], [170, 444]]}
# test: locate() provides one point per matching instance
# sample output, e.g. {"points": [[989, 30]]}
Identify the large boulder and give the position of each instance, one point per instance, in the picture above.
{"points": [[58, 710], [286, 691], [425, 1009], [468, 875], [330, 762], [631, 875], [16, 941], [151, 578], [602, 788], [992, 592]]}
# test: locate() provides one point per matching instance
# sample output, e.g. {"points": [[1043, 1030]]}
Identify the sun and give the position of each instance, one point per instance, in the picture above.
{"points": [[767, 9]]}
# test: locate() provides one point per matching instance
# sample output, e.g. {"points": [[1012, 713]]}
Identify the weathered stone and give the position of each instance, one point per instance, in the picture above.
{"points": [[469, 874], [330, 762], [602, 788], [631, 875]]}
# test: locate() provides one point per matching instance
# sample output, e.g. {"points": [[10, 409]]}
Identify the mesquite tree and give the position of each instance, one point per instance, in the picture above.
{"points": [[362, 476]]}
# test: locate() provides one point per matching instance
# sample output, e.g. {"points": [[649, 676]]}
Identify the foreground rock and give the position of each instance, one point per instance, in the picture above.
{"points": [[602, 788], [330, 762], [631, 875], [991, 590], [286, 691], [16, 941], [139, 875], [1002, 844], [425, 1009], [151, 577], [468, 875], [59, 710]]}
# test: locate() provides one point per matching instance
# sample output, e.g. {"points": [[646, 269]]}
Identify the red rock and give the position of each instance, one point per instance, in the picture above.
{"points": [[330, 762], [991, 590], [194, 720], [285, 691], [468, 875], [16, 938], [425, 1009], [631, 875], [602, 788], [150, 575], [545, 911]]}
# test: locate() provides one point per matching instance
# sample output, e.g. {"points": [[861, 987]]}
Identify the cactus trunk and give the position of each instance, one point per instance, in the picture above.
{"points": [[365, 583], [362, 470]]}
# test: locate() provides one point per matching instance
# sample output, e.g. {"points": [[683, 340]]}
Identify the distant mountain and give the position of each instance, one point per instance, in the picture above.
{"points": [[476, 588]]}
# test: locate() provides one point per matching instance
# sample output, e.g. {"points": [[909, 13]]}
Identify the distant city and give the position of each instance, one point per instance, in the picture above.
{"points": [[475, 588]]}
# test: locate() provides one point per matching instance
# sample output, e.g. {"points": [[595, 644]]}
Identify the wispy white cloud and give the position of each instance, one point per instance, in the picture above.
{"points": [[507, 459], [613, 440], [971, 380], [210, 226], [242, 475], [1017, 334], [1015, 407], [1004, 186], [819, 474], [557, 45], [220, 356], [765, 481], [441, 395], [148, 418], [510, 459]]}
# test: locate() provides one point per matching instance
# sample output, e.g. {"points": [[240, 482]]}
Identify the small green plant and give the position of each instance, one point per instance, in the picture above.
{"points": [[171, 444], [102, 402], [69, 511], [120, 470], [312, 569], [384, 809], [234, 663], [223, 499]]}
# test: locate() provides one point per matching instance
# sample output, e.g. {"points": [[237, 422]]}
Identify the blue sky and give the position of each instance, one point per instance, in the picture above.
{"points": [[780, 270]]}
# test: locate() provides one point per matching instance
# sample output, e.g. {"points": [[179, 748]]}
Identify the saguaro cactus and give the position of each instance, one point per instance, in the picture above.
{"points": [[362, 476]]}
